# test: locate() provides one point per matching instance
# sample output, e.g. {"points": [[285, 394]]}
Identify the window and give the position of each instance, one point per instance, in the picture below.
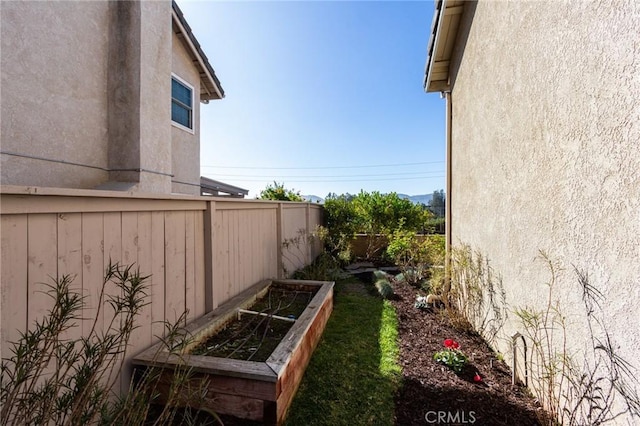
{"points": [[181, 103]]}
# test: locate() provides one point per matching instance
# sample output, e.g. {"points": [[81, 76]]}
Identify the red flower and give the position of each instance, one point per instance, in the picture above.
{"points": [[477, 378], [451, 344]]}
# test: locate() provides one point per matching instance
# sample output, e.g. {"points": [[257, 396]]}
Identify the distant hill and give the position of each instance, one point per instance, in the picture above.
{"points": [[417, 199], [423, 198]]}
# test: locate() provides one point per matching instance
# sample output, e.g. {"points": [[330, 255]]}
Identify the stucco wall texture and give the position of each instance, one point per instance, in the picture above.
{"points": [[546, 156], [86, 96], [51, 94], [186, 145]]}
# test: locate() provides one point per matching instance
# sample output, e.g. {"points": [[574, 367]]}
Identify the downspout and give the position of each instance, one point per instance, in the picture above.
{"points": [[447, 212]]}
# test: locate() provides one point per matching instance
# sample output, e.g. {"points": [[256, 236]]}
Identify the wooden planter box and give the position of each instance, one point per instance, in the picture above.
{"points": [[260, 391]]}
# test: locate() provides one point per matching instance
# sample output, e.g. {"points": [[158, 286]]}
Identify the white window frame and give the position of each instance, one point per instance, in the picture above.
{"points": [[193, 101]]}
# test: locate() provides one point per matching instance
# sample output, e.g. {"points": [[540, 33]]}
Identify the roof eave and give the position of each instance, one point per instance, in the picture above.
{"points": [[210, 87], [444, 31]]}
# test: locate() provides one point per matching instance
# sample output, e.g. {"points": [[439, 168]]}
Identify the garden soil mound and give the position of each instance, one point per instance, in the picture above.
{"points": [[431, 393]]}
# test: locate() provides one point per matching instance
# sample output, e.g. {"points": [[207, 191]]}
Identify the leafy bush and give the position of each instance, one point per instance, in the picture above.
{"points": [[383, 213], [373, 214], [323, 268], [435, 225], [415, 255], [342, 223], [278, 192]]}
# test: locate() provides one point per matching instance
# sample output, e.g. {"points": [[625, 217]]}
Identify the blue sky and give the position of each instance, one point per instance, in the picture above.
{"points": [[321, 96]]}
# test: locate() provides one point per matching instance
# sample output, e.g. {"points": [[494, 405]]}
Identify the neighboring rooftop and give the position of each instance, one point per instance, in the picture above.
{"points": [[217, 188]]}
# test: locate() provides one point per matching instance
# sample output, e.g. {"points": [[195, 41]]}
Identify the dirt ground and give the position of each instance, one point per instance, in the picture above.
{"points": [[434, 394]]}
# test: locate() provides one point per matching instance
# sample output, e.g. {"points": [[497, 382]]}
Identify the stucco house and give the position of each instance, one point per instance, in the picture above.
{"points": [[543, 125], [102, 94]]}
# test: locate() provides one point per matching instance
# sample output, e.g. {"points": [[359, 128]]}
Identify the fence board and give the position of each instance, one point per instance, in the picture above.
{"points": [[113, 253], [142, 336], [199, 267], [189, 273], [92, 271], [44, 234], [175, 267], [220, 257], [129, 257], [112, 238], [70, 259], [233, 254], [157, 280], [42, 265], [13, 273]]}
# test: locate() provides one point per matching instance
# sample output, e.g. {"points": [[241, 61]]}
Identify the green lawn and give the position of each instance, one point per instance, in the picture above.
{"points": [[353, 374]]}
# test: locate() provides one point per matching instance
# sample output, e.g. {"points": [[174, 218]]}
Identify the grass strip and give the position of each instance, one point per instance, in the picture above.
{"points": [[353, 375]]}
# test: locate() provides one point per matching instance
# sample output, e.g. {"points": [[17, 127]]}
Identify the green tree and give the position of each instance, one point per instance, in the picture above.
{"points": [[342, 223], [278, 192], [384, 213], [438, 203]]}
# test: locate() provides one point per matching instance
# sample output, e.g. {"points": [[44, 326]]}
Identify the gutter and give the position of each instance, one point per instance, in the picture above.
{"points": [[448, 183], [433, 42]]}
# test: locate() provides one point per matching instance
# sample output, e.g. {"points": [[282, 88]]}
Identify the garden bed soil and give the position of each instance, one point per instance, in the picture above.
{"points": [[431, 392], [253, 337], [250, 390]]}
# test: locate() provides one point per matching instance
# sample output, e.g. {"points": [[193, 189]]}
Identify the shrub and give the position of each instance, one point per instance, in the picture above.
{"points": [[323, 268], [373, 214], [415, 256], [341, 223], [384, 288], [383, 213], [51, 379], [278, 192]]}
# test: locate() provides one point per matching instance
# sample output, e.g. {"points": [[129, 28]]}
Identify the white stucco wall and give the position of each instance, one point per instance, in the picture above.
{"points": [[53, 101], [546, 155], [185, 146]]}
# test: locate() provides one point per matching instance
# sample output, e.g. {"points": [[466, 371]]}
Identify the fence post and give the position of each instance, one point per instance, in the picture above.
{"points": [[279, 225], [209, 226]]}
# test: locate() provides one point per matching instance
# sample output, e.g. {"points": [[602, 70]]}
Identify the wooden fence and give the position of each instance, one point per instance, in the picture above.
{"points": [[198, 251]]}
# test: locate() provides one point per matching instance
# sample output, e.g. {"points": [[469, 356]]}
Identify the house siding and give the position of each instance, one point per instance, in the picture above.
{"points": [[545, 156], [86, 90], [186, 145], [53, 97]]}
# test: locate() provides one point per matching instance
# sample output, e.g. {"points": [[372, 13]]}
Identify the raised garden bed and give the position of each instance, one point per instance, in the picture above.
{"points": [[252, 351]]}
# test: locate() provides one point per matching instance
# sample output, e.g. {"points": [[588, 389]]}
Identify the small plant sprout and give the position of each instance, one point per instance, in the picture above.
{"points": [[451, 356]]}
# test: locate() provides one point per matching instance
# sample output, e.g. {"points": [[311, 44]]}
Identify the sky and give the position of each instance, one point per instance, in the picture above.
{"points": [[322, 96]]}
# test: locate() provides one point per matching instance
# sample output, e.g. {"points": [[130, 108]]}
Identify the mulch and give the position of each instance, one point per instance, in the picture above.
{"points": [[431, 393]]}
